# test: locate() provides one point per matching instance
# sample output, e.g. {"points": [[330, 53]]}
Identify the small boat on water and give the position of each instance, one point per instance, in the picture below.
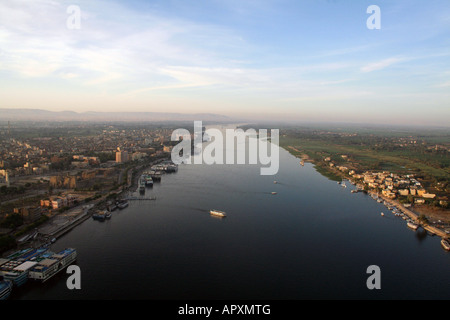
{"points": [[412, 225], [382, 214], [445, 244], [274, 192], [217, 213]]}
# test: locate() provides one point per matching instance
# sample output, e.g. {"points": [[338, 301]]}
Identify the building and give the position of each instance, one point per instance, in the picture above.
{"points": [[121, 156], [29, 214], [389, 194]]}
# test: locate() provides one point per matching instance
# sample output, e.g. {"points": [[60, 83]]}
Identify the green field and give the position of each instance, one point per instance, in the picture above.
{"points": [[378, 152]]}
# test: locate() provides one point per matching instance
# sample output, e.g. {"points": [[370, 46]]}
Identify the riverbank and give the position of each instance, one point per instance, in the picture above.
{"points": [[440, 215], [61, 223], [415, 217]]}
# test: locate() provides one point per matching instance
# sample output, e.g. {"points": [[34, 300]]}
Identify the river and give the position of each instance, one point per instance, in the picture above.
{"points": [[313, 239]]}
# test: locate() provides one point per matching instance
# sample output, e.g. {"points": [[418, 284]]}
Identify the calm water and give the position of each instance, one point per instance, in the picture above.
{"points": [[312, 240]]}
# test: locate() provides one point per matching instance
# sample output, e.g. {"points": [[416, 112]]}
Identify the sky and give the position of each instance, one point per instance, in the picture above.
{"points": [[260, 60]]}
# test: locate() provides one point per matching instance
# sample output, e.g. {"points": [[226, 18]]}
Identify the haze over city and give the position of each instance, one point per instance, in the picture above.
{"points": [[277, 60]]}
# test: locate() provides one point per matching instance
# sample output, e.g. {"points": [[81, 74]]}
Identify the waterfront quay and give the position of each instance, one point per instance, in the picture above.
{"points": [[61, 223], [413, 216]]}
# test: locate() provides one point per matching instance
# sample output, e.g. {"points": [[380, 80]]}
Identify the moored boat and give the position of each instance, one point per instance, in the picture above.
{"points": [[142, 184], [122, 204], [445, 244], [412, 225], [148, 180], [5, 289], [19, 274], [99, 215], [51, 265]]}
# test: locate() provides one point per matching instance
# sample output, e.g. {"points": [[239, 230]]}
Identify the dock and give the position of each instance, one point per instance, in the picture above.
{"points": [[137, 198], [415, 218]]}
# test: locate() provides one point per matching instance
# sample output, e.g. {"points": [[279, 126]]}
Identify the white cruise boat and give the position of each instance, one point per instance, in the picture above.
{"points": [[48, 267], [217, 213]]}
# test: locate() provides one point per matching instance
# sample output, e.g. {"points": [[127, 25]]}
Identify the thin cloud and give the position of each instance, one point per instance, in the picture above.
{"points": [[379, 65]]}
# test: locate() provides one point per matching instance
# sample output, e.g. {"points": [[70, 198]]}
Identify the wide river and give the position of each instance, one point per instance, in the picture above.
{"points": [[312, 240]]}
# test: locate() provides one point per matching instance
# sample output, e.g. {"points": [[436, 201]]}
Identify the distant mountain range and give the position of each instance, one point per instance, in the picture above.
{"points": [[8, 114]]}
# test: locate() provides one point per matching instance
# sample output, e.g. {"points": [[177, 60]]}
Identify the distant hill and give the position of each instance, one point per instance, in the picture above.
{"points": [[7, 114]]}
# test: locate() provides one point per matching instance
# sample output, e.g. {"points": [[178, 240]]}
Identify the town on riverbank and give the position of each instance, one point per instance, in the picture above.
{"points": [[414, 187], [53, 179]]}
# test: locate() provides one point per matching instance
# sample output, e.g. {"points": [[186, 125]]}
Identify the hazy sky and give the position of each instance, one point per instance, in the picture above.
{"points": [[284, 59]]}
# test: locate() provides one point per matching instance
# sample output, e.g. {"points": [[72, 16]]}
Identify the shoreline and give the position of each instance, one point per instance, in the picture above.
{"points": [[412, 215], [54, 229]]}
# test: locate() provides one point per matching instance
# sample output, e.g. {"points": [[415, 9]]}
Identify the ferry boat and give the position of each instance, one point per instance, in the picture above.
{"points": [[412, 225], [217, 213], [5, 289], [51, 265], [445, 244]]}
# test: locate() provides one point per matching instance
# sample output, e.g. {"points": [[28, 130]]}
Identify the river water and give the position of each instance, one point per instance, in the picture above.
{"points": [[312, 240]]}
